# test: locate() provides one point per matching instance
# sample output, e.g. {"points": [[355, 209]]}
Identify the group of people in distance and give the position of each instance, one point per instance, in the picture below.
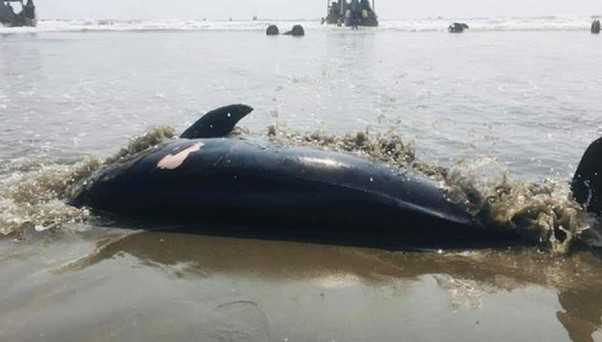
{"points": [[353, 14], [26, 16]]}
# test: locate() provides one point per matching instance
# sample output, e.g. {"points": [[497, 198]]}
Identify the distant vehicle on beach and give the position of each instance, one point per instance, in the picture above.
{"points": [[353, 14], [26, 17]]}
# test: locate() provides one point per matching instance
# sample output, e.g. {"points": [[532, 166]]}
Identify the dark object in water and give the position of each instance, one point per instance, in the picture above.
{"points": [[297, 31], [27, 16], [457, 28], [596, 26], [272, 30], [587, 182]]}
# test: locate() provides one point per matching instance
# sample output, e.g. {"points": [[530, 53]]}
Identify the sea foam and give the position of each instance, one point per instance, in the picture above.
{"points": [[547, 23]]}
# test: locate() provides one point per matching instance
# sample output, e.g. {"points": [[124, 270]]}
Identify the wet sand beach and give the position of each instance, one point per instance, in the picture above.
{"points": [[168, 286]]}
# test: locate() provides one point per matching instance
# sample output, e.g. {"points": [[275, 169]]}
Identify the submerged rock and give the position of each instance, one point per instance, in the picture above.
{"points": [[457, 27], [297, 31], [272, 30], [596, 26]]}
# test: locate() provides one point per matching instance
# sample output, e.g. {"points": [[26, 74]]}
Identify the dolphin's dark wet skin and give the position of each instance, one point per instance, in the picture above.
{"points": [[245, 188]]}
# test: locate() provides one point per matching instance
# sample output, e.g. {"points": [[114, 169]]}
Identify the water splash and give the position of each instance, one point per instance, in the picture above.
{"points": [[543, 212], [34, 194], [149, 139], [32, 197]]}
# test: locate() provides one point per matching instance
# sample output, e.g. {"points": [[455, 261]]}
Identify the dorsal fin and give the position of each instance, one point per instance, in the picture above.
{"points": [[587, 182], [217, 123]]}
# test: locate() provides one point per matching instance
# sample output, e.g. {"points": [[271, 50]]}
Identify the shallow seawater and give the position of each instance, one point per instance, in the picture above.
{"points": [[513, 109], [156, 286]]}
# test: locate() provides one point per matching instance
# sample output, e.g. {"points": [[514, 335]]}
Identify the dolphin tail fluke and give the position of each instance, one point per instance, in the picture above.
{"points": [[217, 123], [587, 182]]}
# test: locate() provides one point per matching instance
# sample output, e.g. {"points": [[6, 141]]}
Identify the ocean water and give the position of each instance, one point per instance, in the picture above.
{"points": [[513, 102]]}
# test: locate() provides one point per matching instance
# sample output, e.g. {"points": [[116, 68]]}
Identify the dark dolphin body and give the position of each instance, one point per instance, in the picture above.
{"points": [[232, 186]]}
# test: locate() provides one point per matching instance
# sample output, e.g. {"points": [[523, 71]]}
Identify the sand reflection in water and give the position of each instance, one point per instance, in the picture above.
{"points": [[259, 290]]}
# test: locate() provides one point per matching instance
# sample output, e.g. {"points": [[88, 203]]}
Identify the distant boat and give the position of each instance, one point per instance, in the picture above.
{"points": [[27, 16], [355, 12]]}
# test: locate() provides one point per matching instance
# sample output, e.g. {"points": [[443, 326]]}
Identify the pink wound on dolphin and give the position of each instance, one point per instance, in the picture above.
{"points": [[173, 161]]}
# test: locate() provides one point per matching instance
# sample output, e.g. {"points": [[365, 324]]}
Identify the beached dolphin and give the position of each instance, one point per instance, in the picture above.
{"points": [[207, 182]]}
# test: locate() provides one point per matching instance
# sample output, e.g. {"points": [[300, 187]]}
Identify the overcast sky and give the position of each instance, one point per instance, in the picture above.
{"points": [[290, 9]]}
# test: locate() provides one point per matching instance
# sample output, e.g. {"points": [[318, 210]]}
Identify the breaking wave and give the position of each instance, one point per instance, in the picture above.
{"points": [[34, 195], [547, 23]]}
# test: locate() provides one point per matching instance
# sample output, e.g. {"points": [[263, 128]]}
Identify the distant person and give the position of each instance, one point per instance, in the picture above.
{"points": [[354, 20], [365, 5], [343, 6], [355, 6], [28, 10], [10, 8], [596, 26]]}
